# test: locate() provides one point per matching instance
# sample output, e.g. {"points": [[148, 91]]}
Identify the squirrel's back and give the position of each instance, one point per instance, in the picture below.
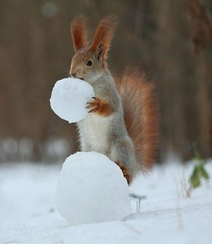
{"points": [[141, 111]]}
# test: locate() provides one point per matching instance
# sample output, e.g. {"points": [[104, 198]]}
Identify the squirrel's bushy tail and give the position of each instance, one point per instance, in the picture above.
{"points": [[141, 111]]}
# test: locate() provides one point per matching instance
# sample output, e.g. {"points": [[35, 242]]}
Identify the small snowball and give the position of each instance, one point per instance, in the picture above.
{"points": [[91, 189], [69, 99]]}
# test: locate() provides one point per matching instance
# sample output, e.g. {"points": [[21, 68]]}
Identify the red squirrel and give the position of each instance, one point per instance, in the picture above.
{"points": [[123, 116]]}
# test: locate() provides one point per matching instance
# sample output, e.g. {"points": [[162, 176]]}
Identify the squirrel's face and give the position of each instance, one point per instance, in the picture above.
{"points": [[85, 65], [89, 62]]}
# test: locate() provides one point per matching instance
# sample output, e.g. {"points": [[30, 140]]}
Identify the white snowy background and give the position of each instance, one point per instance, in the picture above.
{"points": [[28, 213]]}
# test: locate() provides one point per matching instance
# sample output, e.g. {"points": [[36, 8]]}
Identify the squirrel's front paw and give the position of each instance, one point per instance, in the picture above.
{"points": [[125, 172], [94, 105], [100, 106]]}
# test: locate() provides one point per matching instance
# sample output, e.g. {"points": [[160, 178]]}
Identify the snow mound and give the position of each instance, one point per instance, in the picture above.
{"points": [[69, 99], [91, 189]]}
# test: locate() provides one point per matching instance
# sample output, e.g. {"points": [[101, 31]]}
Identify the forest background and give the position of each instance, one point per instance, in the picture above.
{"points": [[169, 40]]}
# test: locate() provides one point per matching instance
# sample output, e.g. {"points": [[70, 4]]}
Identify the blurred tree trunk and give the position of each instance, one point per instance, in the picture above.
{"points": [[171, 69], [203, 111], [201, 36]]}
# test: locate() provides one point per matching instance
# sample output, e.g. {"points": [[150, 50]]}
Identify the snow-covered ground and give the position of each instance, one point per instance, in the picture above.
{"points": [[28, 214]]}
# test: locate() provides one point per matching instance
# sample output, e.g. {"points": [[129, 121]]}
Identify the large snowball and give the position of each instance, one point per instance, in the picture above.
{"points": [[91, 189], [69, 99]]}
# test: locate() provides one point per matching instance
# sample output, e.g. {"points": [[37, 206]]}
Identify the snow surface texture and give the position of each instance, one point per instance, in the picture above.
{"points": [[92, 189], [69, 99], [28, 215]]}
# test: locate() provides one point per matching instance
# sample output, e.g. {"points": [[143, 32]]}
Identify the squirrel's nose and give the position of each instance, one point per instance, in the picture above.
{"points": [[73, 75]]}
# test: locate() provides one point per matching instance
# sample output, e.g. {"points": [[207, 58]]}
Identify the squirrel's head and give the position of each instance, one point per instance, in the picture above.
{"points": [[89, 61]]}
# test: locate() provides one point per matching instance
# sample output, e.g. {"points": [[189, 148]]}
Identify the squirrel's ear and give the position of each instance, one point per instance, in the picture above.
{"points": [[103, 36], [78, 32]]}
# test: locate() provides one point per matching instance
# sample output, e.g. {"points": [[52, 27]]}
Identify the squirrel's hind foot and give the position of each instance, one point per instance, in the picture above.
{"points": [[125, 172]]}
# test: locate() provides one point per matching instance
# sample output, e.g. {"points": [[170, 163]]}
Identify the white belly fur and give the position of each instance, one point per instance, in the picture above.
{"points": [[94, 133]]}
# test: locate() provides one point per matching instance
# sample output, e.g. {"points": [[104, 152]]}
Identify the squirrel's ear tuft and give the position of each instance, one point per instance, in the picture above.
{"points": [[78, 32], [103, 36]]}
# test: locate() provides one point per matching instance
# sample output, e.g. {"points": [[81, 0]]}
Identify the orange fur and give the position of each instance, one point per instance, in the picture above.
{"points": [[125, 172], [78, 32], [103, 36], [140, 114], [100, 106]]}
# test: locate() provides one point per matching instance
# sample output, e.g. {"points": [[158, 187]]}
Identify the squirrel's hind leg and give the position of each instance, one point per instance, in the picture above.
{"points": [[123, 154]]}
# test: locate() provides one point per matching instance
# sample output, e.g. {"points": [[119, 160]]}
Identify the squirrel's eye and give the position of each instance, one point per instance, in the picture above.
{"points": [[89, 62]]}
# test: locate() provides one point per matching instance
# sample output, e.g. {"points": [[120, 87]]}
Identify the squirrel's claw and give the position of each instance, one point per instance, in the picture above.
{"points": [[94, 98], [92, 110]]}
